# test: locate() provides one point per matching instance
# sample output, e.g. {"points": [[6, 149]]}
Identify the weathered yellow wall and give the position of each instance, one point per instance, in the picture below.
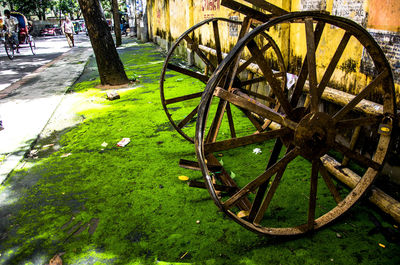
{"points": [[170, 18]]}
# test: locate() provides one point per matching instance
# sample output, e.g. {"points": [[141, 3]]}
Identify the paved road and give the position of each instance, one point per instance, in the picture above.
{"points": [[34, 87], [47, 49]]}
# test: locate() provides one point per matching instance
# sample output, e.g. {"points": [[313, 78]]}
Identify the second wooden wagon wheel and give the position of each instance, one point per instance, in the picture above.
{"points": [[292, 192], [190, 43]]}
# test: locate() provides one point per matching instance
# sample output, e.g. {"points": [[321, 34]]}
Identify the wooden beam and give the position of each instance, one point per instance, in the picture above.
{"points": [[385, 202]]}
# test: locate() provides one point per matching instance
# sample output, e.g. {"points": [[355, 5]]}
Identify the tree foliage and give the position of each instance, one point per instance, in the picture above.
{"points": [[69, 7], [41, 8]]}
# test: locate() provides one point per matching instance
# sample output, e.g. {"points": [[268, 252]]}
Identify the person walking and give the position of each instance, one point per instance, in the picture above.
{"points": [[68, 30]]}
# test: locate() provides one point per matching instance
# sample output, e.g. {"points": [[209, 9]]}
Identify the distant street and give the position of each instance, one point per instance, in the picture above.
{"points": [[24, 63]]}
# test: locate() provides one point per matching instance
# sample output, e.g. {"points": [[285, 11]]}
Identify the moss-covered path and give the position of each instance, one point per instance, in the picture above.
{"points": [[82, 196]]}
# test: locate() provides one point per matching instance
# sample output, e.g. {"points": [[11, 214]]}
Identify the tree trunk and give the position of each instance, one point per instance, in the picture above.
{"points": [[117, 24], [111, 69]]}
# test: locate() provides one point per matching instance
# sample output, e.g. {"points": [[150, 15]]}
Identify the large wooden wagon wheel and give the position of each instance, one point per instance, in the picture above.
{"points": [[175, 71], [293, 193]]}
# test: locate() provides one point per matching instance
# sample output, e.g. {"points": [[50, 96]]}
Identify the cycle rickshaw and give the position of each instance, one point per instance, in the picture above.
{"points": [[24, 38]]}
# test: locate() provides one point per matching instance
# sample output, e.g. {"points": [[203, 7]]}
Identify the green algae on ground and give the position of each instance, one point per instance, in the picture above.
{"points": [[145, 214]]}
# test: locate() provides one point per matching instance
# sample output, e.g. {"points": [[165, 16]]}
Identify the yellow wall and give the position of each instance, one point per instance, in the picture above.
{"points": [[170, 18]]}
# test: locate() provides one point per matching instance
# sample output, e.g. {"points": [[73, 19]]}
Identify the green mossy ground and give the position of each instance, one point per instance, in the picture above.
{"points": [[145, 214]]}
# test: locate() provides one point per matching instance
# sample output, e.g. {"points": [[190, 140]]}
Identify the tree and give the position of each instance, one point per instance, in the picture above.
{"points": [[111, 69], [69, 6], [32, 7], [117, 26]]}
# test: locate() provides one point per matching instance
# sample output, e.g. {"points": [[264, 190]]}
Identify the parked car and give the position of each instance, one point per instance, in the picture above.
{"points": [[51, 30]]}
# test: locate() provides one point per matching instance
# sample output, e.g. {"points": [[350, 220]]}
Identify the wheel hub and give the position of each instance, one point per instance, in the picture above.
{"points": [[315, 134]]}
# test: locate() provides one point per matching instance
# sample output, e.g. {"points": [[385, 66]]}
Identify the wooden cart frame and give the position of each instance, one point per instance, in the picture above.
{"points": [[296, 120]]}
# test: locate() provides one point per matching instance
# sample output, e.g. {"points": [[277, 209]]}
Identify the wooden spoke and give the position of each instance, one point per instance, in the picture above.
{"points": [[364, 121], [332, 65], [216, 123], [261, 179], [217, 41], [187, 72], [329, 183], [256, 95], [234, 66], [270, 195], [254, 106], [365, 161], [263, 187], [361, 95], [252, 81], [245, 140], [195, 47], [230, 120], [253, 120], [183, 98], [253, 59], [311, 64], [313, 194], [188, 117], [298, 89], [274, 83]]}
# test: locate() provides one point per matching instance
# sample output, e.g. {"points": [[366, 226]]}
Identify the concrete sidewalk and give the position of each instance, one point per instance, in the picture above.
{"points": [[27, 106]]}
